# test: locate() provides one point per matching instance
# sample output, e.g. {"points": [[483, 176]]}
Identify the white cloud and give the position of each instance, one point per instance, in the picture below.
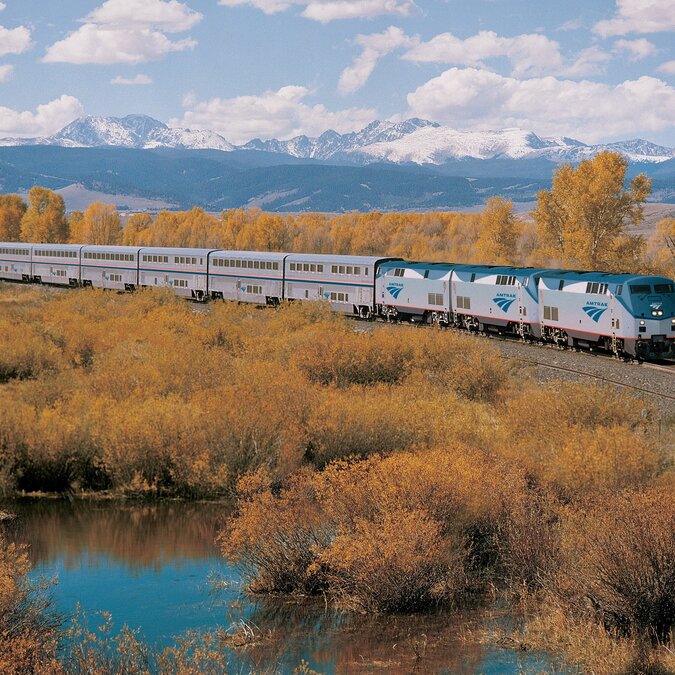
{"points": [[331, 10], [668, 67], [169, 16], [5, 72], [273, 114], [530, 54], [46, 120], [639, 16], [14, 40], [138, 80], [476, 98], [126, 31], [374, 46], [636, 49]]}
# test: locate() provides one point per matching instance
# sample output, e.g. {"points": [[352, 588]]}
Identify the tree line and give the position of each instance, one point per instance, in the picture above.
{"points": [[581, 222]]}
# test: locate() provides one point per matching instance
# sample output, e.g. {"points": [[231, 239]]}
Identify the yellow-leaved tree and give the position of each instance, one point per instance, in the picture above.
{"points": [[12, 210], [581, 220], [45, 219], [99, 224], [498, 233]]}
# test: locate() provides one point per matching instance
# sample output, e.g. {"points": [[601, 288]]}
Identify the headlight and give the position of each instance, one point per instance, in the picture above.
{"points": [[642, 323], [657, 312]]}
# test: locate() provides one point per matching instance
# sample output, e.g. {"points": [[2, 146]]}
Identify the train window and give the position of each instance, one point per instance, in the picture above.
{"points": [[276, 265], [312, 268], [341, 269], [350, 269], [640, 289], [292, 267], [366, 271], [524, 311], [306, 293], [664, 288], [399, 272], [426, 274], [473, 276], [256, 264], [319, 268], [305, 267], [115, 277], [333, 269], [357, 270]]}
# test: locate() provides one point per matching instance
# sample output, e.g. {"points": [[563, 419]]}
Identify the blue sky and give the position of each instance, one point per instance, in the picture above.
{"points": [[596, 70]]}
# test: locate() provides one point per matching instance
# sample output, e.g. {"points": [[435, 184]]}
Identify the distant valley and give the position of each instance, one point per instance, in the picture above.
{"points": [[411, 165]]}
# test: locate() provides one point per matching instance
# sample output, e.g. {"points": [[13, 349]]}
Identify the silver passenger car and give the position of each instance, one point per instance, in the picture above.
{"points": [[56, 264], [15, 261], [185, 270], [247, 276], [347, 282], [114, 267]]}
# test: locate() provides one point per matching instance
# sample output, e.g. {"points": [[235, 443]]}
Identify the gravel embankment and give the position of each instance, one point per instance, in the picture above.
{"points": [[545, 363]]}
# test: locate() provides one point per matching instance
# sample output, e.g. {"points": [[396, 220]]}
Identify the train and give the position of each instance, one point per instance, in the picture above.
{"points": [[629, 315]]}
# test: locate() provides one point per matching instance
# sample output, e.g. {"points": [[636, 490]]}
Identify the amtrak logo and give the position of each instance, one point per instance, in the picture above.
{"points": [[503, 303], [594, 312], [326, 295], [395, 290]]}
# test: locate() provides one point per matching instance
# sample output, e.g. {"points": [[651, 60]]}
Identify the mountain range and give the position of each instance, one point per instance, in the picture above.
{"points": [[412, 141], [411, 165]]}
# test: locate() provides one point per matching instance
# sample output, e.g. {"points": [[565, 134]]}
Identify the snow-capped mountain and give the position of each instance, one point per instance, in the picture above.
{"points": [[411, 141], [331, 144], [132, 131]]}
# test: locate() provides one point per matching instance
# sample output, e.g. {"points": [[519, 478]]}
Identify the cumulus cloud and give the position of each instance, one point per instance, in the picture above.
{"points": [[331, 10], [639, 16], [374, 47], [5, 72], [47, 119], [14, 40], [477, 98], [530, 54], [133, 81], [668, 67], [126, 31], [273, 114], [636, 49]]}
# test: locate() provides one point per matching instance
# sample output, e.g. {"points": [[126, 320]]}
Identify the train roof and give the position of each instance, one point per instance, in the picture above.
{"points": [[604, 277], [105, 247], [259, 255], [420, 266], [177, 251], [341, 259]]}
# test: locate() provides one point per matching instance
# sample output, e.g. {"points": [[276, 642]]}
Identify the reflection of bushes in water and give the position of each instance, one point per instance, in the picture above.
{"points": [[136, 534]]}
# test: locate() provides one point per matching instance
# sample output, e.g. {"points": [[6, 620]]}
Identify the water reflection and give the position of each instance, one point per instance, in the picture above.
{"points": [[149, 564]]}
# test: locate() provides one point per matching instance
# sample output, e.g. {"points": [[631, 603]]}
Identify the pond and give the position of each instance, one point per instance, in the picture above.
{"points": [[156, 568]]}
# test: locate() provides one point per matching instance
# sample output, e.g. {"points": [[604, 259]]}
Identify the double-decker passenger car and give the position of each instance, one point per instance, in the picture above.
{"points": [[114, 267], [347, 282], [247, 276], [185, 270], [15, 261], [56, 264]]}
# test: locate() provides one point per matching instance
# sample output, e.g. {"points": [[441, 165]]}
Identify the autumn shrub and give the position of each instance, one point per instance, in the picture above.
{"points": [[400, 561], [354, 358], [385, 533], [578, 438], [618, 564], [24, 352], [29, 628]]}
